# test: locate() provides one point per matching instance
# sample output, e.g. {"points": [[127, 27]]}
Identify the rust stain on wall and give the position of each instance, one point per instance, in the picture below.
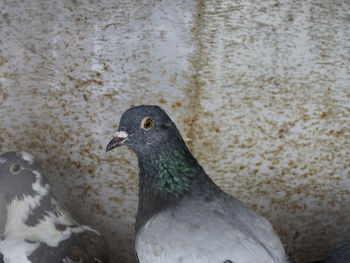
{"points": [[266, 110], [197, 120]]}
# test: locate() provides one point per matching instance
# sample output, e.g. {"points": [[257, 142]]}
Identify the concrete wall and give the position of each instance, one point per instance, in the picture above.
{"points": [[259, 89]]}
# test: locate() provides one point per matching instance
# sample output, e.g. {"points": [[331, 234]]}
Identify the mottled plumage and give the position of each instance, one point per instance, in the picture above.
{"points": [[182, 215], [37, 229]]}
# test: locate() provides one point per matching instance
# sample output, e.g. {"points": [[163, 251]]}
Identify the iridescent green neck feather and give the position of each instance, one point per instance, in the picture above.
{"points": [[167, 175], [169, 172]]}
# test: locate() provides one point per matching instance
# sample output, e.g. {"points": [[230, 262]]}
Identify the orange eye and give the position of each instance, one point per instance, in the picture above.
{"points": [[15, 168], [146, 123]]}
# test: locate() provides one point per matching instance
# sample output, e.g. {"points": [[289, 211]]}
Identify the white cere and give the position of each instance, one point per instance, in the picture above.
{"points": [[121, 134]]}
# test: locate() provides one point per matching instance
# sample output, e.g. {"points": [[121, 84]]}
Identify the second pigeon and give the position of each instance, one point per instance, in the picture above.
{"points": [[37, 229], [183, 216]]}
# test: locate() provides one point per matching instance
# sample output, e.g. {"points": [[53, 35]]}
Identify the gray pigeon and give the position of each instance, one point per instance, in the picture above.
{"points": [[183, 216], [37, 229], [339, 255]]}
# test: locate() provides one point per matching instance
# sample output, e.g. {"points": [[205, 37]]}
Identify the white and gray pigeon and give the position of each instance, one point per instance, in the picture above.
{"points": [[183, 216], [37, 229]]}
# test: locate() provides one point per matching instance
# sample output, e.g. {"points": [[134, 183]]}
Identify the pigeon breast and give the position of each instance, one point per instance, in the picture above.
{"points": [[216, 234]]}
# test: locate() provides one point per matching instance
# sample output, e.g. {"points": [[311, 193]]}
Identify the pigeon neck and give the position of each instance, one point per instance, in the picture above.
{"points": [[166, 176], [168, 171]]}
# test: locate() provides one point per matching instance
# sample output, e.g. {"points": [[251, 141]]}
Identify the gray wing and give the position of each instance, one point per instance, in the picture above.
{"points": [[255, 226], [339, 255]]}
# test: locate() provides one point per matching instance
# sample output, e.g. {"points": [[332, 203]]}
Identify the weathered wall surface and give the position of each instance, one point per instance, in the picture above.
{"points": [[261, 91], [272, 115]]}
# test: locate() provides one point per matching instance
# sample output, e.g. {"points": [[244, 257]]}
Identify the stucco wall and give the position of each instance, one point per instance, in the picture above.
{"points": [[259, 89]]}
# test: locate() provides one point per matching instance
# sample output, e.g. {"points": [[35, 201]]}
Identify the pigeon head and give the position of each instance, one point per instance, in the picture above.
{"points": [[168, 171], [144, 128], [21, 175]]}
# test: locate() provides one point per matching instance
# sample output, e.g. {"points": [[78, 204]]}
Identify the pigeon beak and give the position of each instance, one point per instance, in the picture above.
{"points": [[118, 140]]}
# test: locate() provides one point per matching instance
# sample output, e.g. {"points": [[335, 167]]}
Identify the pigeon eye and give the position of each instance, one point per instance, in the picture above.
{"points": [[15, 168], [146, 123]]}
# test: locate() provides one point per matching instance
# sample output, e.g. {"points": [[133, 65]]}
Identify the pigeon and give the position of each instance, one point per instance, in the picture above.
{"points": [[37, 229], [183, 216], [339, 255]]}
